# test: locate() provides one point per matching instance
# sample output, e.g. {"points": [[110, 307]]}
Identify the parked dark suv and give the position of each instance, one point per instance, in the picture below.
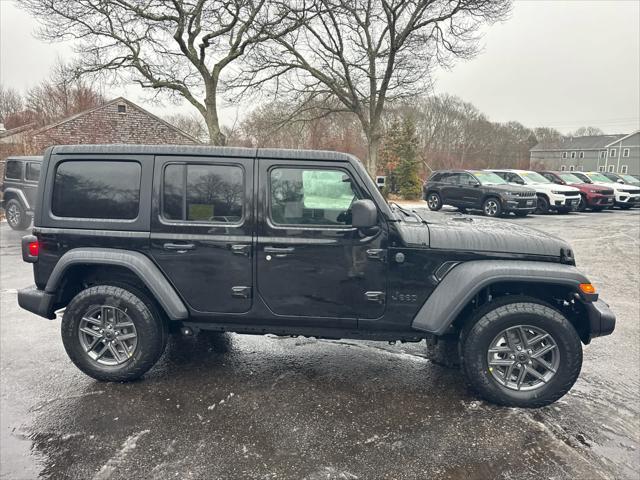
{"points": [[478, 190], [135, 242], [19, 187]]}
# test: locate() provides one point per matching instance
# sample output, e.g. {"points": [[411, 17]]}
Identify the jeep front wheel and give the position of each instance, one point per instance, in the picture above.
{"points": [[491, 207], [112, 334], [521, 353]]}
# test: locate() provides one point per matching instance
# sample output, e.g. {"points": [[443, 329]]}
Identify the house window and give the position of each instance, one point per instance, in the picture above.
{"points": [[563, 168], [624, 169], [572, 168], [612, 167], [564, 154], [581, 155], [625, 152], [612, 152], [122, 109], [601, 168], [573, 154], [603, 154]]}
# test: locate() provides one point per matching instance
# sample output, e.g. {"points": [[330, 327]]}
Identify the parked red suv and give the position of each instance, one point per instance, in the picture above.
{"points": [[595, 197]]}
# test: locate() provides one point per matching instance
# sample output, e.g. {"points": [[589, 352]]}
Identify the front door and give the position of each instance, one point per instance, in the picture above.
{"points": [[202, 230], [470, 192], [310, 261]]}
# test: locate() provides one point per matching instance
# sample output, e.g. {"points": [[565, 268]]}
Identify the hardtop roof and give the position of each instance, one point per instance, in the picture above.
{"points": [[25, 158], [201, 150]]}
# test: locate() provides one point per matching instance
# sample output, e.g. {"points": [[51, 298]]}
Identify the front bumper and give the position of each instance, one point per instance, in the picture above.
{"points": [[564, 202], [37, 301], [600, 200], [602, 320], [517, 204], [628, 199]]}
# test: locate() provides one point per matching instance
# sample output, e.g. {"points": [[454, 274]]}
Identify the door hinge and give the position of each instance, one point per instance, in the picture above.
{"points": [[377, 254], [241, 249], [241, 292], [377, 297]]}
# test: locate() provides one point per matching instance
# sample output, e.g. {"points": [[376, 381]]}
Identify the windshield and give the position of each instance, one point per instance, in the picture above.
{"points": [[570, 178], [533, 177], [629, 179], [489, 178], [598, 177]]}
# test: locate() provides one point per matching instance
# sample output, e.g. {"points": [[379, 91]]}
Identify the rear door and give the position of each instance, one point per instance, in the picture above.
{"points": [[202, 230], [310, 261]]}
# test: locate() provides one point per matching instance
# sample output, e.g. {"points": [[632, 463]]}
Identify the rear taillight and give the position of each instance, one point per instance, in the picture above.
{"points": [[30, 248]]}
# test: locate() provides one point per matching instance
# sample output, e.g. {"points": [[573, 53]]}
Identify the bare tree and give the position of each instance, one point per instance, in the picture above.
{"points": [[192, 124], [364, 53], [180, 47], [10, 104], [61, 95], [586, 132]]}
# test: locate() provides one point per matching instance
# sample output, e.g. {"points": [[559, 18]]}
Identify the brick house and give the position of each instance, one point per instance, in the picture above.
{"points": [[117, 121]]}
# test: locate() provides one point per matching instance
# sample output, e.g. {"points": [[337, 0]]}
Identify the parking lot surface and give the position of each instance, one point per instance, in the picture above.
{"points": [[278, 408]]}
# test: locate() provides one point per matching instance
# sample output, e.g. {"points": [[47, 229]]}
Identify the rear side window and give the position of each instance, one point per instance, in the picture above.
{"points": [[33, 171], [13, 170], [97, 189], [214, 193]]}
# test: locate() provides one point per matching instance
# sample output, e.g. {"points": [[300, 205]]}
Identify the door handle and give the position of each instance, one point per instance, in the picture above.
{"points": [[180, 247], [279, 250]]}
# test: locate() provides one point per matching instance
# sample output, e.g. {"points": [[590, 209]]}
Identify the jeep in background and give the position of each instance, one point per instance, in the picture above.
{"points": [[561, 198], [477, 190], [626, 196], [135, 242], [19, 187], [594, 197]]}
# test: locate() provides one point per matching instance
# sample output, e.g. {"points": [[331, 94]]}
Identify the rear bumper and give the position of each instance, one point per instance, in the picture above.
{"points": [[37, 301], [601, 319]]}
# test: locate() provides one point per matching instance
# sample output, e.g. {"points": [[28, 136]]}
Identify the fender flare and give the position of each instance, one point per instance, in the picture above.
{"points": [[21, 196], [465, 280], [136, 262]]}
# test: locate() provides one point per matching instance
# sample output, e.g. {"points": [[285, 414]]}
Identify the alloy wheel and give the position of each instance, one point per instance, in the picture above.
{"points": [[491, 208], [523, 358], [13, 215], [107, 335], [433, 201]]}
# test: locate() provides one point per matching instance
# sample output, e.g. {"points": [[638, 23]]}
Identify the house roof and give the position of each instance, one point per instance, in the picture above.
{"points": [[32, 126], [624, 137], [590, 142]]}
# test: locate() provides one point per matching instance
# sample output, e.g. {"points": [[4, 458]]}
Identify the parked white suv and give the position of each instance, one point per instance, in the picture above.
{"points": [[551, 196], [627, 196]]}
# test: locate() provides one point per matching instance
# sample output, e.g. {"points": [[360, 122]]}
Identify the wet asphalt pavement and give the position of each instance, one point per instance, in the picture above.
{"points": [[272, 408]]}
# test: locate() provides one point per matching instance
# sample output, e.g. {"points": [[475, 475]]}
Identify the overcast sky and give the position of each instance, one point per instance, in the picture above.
{"points": [[561, 64]]}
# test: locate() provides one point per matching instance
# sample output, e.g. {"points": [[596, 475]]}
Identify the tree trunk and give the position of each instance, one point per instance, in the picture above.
{"points": [[216, 137], [373, 144]]}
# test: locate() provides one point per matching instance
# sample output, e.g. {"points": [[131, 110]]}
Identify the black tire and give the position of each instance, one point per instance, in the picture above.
{"points": [[626, 207], [564, 211], [582, 206], [543, 205], [521, 214], [17, 217], [434, 202], [150, 327], [444, 351], [511, 311], [491, 207], [597, 209]]}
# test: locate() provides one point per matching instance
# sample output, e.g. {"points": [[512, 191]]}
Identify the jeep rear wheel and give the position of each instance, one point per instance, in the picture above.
{"points": [[521, 353], [17, 217], [112, 334], [434, 202]]}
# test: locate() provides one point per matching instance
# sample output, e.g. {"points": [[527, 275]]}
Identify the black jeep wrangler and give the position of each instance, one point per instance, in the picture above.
{"points": [[134, 241], [19, 186]]}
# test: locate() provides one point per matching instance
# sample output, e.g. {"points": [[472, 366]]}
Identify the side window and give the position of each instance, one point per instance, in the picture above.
{"points": [[32, 173], [301, 196], [214, 193], [513, 178], [13, 170], [467, 180], [96, 189]]}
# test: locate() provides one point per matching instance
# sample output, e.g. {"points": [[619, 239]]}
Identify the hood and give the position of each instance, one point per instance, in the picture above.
{"points": [[617, 186], [507, 187], [554, 186], [482, 235]]}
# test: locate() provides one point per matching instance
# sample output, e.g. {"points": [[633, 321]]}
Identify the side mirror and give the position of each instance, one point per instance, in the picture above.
{"points": [[476, 185], [620, 180], [364, 214]]}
